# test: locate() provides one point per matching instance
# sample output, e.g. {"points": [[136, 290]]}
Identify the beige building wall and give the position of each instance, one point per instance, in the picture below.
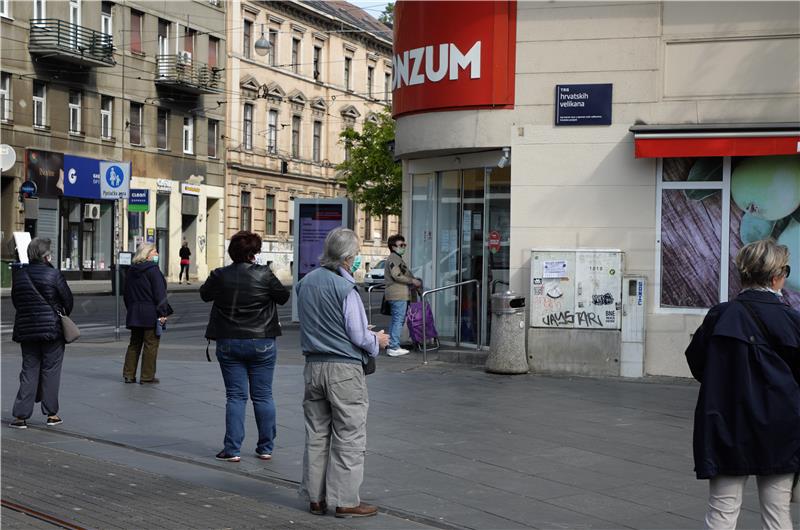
{"points": [[265, 84], [670, 63]]}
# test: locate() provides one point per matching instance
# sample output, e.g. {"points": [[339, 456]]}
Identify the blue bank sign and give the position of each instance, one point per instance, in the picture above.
{"points": [[583, 104], [139, 200], [81, 177]]}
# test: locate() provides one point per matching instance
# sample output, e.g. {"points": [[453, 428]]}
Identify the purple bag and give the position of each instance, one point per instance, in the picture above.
{"points": [[414, 322]]}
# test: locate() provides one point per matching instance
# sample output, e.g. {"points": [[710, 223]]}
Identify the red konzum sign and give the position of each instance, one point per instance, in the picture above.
{"points": [[453, 55]]}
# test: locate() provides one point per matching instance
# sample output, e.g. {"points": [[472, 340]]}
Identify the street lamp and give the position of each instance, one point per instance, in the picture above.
{"points": [[263, 46]]}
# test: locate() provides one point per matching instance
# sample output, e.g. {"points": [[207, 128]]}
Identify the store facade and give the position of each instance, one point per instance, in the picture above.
{"points": [[660, 136]]}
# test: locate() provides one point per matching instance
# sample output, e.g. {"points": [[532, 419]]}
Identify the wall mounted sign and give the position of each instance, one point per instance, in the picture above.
{"points": [[453, 55], [190, 189], [28, 189], [46, 169], [8, 157], [139, 200], [81, 177], [164, 186], [583, 104], [151, 235]]}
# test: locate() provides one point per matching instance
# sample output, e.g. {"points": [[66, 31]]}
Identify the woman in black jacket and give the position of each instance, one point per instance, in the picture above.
{"points": [[39, 292], [185, 255], [244, 323], [147, 312], [746, 356]]}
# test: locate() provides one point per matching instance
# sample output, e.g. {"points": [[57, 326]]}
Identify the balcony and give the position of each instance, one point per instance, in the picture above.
{"points": [[71, 43], [183, 73]]}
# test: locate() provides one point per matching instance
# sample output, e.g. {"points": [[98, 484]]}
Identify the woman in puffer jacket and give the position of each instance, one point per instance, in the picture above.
{"points": [[39, 292]]}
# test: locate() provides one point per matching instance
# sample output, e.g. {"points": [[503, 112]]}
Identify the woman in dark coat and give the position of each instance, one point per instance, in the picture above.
{"points": [[244, 322], [38, 293], [185, 254], [746, 355], [147, 307]]}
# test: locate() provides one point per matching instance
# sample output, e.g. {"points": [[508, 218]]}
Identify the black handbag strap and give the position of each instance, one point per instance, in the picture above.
{"points": [[59, 313]]}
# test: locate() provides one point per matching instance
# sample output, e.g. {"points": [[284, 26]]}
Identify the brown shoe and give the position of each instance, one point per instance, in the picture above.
{"points": [[153, 381], [362, 510], [318, 508]]}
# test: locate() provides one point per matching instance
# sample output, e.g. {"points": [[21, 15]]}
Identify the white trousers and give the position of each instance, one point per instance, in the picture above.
{"points": [[725, 501]]}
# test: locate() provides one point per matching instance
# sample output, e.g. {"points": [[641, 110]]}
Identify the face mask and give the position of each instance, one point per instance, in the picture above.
{"points": [[155, 259], [400, 250], [356, 265]]}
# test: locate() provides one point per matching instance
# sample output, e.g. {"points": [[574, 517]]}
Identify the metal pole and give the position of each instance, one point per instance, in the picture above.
{"points": [[424, 336], [116, 266]]}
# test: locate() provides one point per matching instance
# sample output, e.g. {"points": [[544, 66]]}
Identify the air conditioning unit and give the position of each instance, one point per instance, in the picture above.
{"points": [[184, 57], [91, 211]]}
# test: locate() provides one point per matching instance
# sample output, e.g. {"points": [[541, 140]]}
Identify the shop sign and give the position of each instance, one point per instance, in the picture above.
{"points": [[190, 189], [81, 177], [139, 200], [151, 235], [28, 189], [467, 62], [115, 179], [583, 104], [494, 241], [46, 170], [125, 258], [164, 186]]}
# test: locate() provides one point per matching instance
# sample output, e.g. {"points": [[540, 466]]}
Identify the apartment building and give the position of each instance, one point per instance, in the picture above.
{"points": [[327, 67], [85, 81]]}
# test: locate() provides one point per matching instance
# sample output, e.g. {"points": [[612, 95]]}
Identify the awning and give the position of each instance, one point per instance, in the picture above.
{"points": [[747, 139]]}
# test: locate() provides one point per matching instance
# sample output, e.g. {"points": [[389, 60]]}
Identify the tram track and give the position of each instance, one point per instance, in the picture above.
{"points": [[40, 515]]}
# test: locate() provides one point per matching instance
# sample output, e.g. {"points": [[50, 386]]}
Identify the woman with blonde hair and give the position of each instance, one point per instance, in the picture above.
{"points": [[746, 356], [147, 307]]}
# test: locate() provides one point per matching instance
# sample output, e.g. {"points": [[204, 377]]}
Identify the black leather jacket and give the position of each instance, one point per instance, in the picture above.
{"points": [[244, 296], [35, 291]]}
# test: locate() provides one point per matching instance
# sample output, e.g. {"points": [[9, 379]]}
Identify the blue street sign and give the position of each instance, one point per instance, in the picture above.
{"points": [[81, 177], [115, 179], [139, 200], [583, 104], [28, 188]]}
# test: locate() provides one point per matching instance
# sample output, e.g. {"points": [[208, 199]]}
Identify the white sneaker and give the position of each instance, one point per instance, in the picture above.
{"points": [[396, 352]]}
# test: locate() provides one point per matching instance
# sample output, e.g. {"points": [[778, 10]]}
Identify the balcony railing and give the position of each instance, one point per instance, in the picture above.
{"points": [[71, 42], [183, 73]]}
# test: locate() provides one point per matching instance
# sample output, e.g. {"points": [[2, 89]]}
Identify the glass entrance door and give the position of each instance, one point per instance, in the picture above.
{"points": [[459, 232]]}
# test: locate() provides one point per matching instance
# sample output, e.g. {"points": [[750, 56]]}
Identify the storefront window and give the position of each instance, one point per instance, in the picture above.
{"points": [[709, 208], [135, 230], [70, 234], [103, 238]]}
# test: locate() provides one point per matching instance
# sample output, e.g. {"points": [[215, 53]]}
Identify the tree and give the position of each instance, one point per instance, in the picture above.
{"points": [[387, 17], [371, 176]]}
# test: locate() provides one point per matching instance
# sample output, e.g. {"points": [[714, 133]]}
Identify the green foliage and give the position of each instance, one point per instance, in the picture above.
{"points": [[371, 176], [387, 17]]}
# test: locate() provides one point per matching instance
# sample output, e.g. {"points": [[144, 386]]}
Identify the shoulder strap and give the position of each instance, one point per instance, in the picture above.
{"points": [[40, 293], [760, 324]]}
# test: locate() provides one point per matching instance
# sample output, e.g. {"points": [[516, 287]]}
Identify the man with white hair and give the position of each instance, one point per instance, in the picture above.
{"points": [[337, 344]]}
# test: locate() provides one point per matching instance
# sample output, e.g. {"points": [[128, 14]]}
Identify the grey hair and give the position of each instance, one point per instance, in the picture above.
{"points": [[143, 252], [341, 244], [39, 249]]}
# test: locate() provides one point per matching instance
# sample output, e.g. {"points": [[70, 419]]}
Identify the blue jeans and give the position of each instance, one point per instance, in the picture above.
{"points": [[244, 361], [398, 318]]}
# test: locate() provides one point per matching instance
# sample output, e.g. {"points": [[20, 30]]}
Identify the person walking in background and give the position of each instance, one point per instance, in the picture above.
{"points": [[244, 323], [398, 281], [184, 254], [39, 293], [147, 311], [746, 356], [336, 342]]}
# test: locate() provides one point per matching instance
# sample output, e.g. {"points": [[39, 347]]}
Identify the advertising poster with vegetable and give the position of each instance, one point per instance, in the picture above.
{"points": [[764, 202]]}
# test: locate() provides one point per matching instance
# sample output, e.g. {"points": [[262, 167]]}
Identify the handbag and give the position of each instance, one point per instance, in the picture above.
{"points": [[369, 365], [68, 327], [386, 307]]}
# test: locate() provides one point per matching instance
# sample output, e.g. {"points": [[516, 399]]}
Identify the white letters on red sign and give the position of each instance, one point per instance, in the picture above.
{"points": [[408, 66]]}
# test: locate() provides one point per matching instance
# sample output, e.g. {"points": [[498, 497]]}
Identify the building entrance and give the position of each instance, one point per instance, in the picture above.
{"points": [[460, 231]]}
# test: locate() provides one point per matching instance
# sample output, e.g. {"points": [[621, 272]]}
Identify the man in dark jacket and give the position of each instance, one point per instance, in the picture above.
{"points": [[147, 309], [38, 293]]}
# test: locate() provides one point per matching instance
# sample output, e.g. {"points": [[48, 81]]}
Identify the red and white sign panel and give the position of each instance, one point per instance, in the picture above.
{"points": [[453, 55]]}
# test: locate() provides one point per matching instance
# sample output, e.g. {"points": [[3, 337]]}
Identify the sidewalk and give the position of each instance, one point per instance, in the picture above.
{"points": [[448, 445]]}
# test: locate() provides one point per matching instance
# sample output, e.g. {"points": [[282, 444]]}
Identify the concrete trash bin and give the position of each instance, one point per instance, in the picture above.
{"points": [[507, 347]]}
